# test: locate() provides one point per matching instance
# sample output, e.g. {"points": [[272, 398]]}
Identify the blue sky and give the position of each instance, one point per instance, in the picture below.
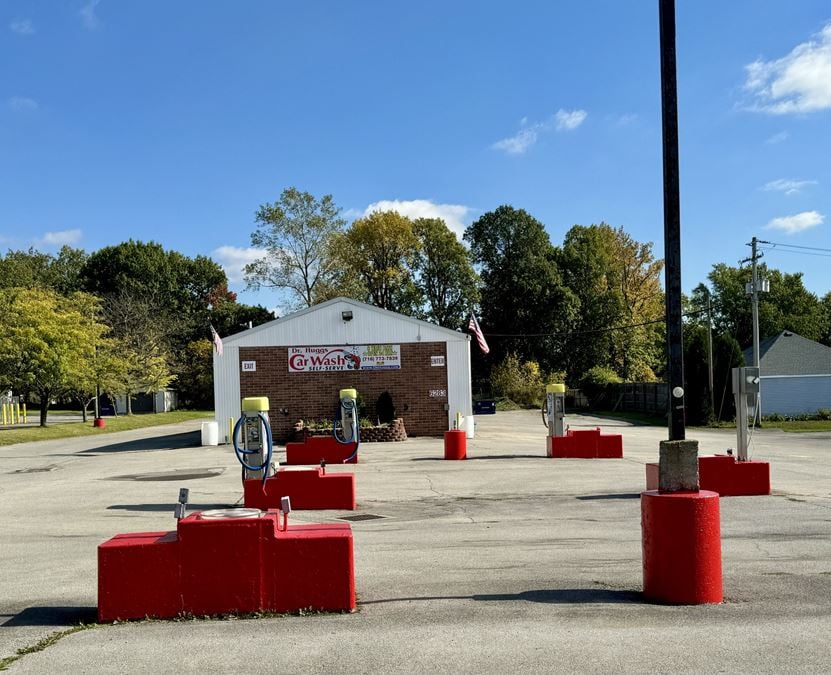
{"points": [[173, 121]]}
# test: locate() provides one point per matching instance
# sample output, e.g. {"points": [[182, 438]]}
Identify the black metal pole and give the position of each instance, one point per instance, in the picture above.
{"points": [[672, 221]]}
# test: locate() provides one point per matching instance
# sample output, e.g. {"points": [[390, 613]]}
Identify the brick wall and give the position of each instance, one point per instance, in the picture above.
{"points": [[315, 395]]}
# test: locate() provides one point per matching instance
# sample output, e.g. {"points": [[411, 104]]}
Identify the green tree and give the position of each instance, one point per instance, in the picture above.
{"points": [[143, 339], [295, 232], [376, 256], [696, 376], [617, 281], [522, 289], [47, 341], [34, 269], [444, 274], [826, 310], [788, 305], [727, 354], [195, 375]]}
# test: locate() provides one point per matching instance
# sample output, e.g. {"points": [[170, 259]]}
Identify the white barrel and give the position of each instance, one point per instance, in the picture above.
{"points": [[210, 433], [469, 424]]}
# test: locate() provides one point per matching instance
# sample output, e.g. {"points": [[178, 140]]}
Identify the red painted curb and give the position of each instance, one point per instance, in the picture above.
{"points": [[307, 488], [681, 537], [455, 444]]}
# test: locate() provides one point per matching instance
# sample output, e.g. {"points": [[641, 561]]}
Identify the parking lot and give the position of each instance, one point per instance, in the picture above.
{"points": [[506, 562]]}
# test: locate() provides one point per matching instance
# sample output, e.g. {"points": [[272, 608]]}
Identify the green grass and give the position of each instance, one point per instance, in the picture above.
{"points": [[40, 645], [790, 426], [13, 435]]}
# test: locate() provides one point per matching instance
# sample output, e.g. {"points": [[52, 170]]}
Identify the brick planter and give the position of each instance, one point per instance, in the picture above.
{"points": [[394, 432]]}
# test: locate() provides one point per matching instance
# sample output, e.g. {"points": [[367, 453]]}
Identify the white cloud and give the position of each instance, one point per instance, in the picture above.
{"points": [[234, 258], [778, 138], [568, 120], [453, 215], [88, 16], [22, 27], [797, 83], [562, 120], [60, 238], [796, 223], [22, 103], [786, 185]]}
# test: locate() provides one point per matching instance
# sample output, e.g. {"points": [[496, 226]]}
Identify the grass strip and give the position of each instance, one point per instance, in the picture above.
{"points": [[11, 435]]}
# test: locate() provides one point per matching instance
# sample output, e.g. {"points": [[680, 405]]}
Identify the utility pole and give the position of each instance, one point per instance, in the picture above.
{"points": [[672, 221], [753, 289], [710, 353]]}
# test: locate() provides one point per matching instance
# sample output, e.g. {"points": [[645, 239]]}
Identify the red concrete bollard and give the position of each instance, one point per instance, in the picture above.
{"points": [[99, 422], [455, 444], [307, 488], [681, 535]]}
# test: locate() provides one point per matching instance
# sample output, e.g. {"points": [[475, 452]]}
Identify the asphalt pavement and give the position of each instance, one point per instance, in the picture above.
{"points": [[506, 562]]}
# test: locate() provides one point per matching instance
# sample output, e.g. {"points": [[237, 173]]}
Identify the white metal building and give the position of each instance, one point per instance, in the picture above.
{"points": [[428, 370]]}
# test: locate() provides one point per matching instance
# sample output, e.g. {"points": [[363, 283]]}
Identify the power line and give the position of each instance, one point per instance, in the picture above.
{"points": [[808, 248], [587, 332], [785, 250]]}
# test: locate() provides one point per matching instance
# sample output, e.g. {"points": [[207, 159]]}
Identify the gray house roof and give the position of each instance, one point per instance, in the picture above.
{"points": [[790, 354]]}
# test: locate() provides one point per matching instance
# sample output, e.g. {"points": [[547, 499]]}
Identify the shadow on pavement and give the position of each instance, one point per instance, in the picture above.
{"points": [[614, 495], [559, 596], [478, 457], [161, 508], [53, 616], [186, 439]]}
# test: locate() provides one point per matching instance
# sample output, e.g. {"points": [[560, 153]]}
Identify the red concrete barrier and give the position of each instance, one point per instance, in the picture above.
{"points": [[308, 489], [455, 444], [681, 536], [585, 444], [226, 566], [316, 448], [724, 475]]}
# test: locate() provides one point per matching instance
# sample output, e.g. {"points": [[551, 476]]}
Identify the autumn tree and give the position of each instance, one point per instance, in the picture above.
{"points": [[376, 256], [295, 232], [444, 274], [47, 342]]}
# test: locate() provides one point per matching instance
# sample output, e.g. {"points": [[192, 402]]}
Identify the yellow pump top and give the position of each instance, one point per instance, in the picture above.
{"points": [[555, 389], [349, 393], [254, 404]]}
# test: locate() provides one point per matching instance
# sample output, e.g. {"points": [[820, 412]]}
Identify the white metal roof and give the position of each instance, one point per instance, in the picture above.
{"points": [[323, 325]]}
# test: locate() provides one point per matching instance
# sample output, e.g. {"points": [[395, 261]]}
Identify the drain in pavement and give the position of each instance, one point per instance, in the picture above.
{"points": [[361, 516], [37, 469]]}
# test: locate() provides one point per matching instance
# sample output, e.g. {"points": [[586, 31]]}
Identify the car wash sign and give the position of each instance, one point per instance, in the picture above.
{"points": [[347, 357]]}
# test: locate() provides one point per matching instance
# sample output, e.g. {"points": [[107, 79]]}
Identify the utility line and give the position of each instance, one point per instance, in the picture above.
{"points": [[785, 250], [808, 248], [587, 332]]}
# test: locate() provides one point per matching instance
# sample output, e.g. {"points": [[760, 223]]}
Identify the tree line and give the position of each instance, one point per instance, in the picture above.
{"points": [[134, 317], [588, 311], [126, 319]]}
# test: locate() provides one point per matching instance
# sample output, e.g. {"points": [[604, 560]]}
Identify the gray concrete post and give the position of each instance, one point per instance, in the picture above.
{"points": [[678, 466]]}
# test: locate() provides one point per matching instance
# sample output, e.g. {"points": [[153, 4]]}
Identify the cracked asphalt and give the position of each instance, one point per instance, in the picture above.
{"points": [[506, 562]]}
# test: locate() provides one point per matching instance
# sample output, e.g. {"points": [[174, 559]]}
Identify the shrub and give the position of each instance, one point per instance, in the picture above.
{"points": [[518, 381], [594, 380]]}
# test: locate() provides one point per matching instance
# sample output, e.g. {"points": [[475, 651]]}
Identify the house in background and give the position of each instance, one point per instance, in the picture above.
{"points": [[796, 374]]}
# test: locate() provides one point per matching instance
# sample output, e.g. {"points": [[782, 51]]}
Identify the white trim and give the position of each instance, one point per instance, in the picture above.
{"points": [[786, 377]]}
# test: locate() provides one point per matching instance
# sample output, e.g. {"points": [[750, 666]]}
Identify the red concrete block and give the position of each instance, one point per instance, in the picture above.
{"points": [[316, 448], [652, 476], [309, 567], [308, 489], [724, 475], [585, 444], [138, 576], [455, 444], [681, 537], [225, 566], [221, 570]]}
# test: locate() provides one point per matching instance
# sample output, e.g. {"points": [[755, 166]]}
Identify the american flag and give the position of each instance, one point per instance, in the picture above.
{"points": [[217, 341], [473, 327]]}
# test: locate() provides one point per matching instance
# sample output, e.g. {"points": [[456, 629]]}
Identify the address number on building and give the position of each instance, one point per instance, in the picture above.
{"points": [[438, 393], [249, 366]]}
